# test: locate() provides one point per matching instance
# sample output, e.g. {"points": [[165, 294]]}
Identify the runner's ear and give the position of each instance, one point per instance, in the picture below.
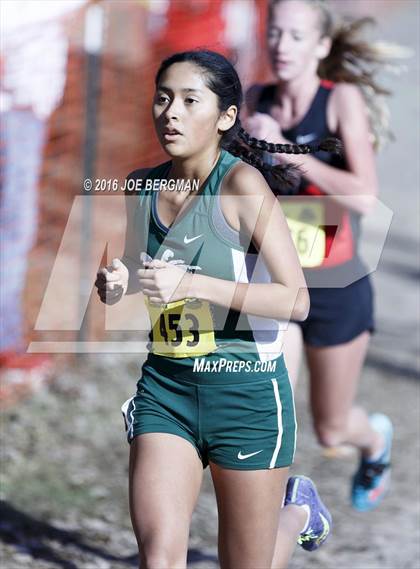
{"points": [[323, 48], [227, 118]]}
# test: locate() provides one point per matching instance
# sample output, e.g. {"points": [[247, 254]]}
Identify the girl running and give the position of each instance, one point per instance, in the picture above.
{"points": [[214, 388], [319, 69]]}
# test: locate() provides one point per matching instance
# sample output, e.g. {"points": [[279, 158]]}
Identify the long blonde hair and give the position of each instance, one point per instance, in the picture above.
{"points": [[355, 60]]}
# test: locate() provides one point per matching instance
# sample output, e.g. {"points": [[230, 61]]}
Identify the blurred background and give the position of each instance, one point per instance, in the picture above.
{"points": [[81, 77]]}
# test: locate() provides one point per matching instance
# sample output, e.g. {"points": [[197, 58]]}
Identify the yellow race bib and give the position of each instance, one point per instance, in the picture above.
{"points": [[181, 329], [306, 222]]}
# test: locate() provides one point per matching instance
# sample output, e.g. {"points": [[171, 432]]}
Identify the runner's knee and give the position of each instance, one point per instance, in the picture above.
{"points": [[329, 434], [162, 556]]}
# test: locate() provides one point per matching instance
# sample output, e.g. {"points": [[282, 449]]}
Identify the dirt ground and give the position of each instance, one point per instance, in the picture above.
{"points": [[64, 480]]}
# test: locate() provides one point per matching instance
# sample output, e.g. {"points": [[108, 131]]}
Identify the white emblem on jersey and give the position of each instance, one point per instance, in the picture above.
{"points": [[305, 138], [186, 240], [167, 258]]}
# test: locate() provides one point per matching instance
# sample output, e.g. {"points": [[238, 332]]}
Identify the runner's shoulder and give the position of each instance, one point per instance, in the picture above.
{"points": [[346, 94], [346, 104], [244, 180]]}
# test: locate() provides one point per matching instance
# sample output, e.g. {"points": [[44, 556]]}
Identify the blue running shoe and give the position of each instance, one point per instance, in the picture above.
{"points": [[373, 477], [301, 491]]}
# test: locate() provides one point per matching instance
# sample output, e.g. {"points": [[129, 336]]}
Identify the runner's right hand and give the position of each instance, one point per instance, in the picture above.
{"points": [[263, 127], [112, 282]]}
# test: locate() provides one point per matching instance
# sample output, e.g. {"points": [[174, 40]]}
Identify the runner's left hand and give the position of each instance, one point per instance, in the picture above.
{"points": [[163, 282]]}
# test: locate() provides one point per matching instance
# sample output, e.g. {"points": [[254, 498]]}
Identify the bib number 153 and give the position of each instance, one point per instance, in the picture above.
{"points": [[182, 329]]}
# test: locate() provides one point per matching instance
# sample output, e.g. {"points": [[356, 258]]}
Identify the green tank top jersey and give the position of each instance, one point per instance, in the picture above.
{"points": [[202, 241]]}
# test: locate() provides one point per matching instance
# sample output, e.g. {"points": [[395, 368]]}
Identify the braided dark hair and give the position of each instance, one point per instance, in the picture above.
{"points": [[332, 145], [284, 178], [222, 78]]}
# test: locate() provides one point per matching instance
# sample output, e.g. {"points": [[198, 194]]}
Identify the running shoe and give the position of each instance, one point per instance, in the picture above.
{"points": [[301, 491], [373, 477]]}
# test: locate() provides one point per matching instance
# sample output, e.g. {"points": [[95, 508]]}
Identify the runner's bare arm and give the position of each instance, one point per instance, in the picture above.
{"points": [[347, 112], [256, 211]]}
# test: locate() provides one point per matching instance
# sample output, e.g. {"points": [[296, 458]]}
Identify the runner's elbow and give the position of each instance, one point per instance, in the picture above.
{"points": [[301, 307]]}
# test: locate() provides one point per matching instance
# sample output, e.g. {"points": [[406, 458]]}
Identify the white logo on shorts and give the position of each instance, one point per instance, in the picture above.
{"points": [[244, 456]]}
